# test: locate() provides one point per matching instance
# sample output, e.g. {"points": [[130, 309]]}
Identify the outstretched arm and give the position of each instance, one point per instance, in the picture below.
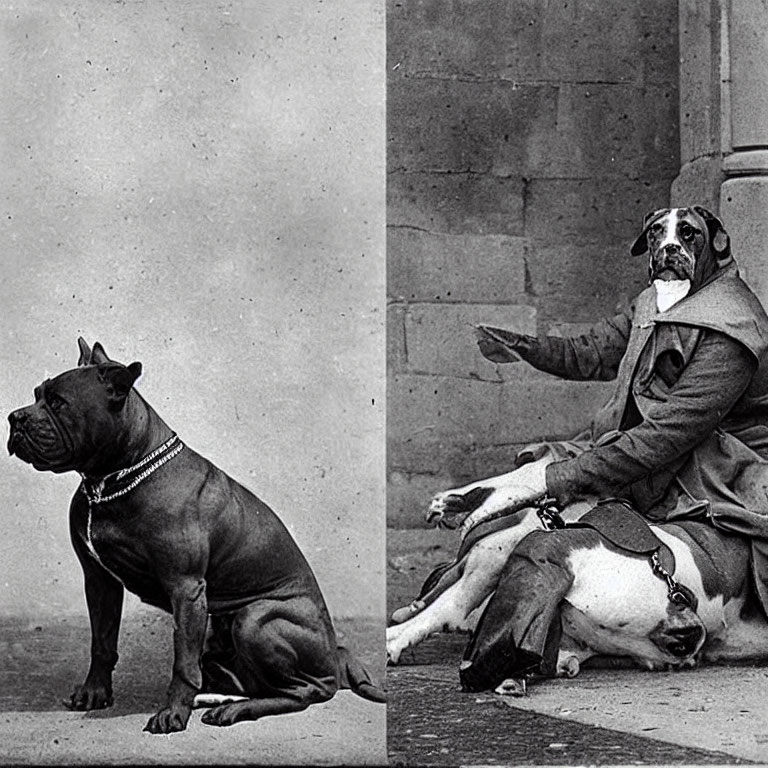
{"points": [[594, 355]]}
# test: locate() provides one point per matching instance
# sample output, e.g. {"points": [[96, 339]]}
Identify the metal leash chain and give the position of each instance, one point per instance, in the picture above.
{"points": [[99, 499], [172, 440], [95, 491], [549, 514], [675, 592]]}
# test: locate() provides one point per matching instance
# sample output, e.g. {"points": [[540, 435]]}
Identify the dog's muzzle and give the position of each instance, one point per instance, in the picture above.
{"points": [[672, 262], [681, 641], [40, 440]]}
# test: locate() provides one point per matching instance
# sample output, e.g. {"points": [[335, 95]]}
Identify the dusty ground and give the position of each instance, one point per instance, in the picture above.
{"points": [[41, 662], [714, 715]]}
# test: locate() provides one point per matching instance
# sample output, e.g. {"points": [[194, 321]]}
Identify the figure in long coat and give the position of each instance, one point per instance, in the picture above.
{"points": [[687, 424]]}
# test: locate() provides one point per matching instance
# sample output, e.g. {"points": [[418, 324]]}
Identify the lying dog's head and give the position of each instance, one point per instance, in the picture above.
{"points": [[683, 244], [76, 414]]}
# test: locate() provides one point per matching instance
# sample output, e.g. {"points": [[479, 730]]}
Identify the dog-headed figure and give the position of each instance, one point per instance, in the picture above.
{"points": [[684, 435]]}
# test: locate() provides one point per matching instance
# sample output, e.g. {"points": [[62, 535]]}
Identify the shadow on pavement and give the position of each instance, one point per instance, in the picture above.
{"points": [[43, 661]]}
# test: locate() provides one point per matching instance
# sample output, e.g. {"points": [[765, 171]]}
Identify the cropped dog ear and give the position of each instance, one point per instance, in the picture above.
{"points": [[718, 237], [99, 355], [640, 246], [118, 380], [85, 352], [89, 356]]}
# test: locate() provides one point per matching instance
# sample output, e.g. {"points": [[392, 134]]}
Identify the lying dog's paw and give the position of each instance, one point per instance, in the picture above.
{"points": [[449, 510], [393, 656], [567, 666], [436, 510], [168, 720], [86, 697]]}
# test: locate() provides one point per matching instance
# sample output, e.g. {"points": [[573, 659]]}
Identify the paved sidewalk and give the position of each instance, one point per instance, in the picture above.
{"points": [[42, 662], [713, 715]]}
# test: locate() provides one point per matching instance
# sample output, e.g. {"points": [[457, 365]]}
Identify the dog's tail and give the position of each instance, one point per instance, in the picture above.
{"points": [[356, 678]]}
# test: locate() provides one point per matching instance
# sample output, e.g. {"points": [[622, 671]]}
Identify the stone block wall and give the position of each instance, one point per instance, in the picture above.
{"points": [[525, 141]]}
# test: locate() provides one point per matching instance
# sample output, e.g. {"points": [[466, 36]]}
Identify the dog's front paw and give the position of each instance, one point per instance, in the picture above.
{"points": [[436, 509], [446, 510], [89, 696], [168, 720], [450, 509]]}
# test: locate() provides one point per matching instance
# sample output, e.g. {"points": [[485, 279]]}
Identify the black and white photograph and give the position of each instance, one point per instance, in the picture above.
{"points": [[577, 434], [385, 382], [193, 377]]}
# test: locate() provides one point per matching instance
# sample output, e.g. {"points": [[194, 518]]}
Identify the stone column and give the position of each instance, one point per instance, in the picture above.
{"points": [[724, 123], [744, 193], [701, 104]]}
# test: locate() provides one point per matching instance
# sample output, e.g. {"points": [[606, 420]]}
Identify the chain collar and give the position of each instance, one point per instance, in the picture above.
{"points": [[112, 486]]}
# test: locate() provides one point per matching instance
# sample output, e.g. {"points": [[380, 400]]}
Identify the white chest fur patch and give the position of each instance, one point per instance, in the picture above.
{"points": [[669, 292]]}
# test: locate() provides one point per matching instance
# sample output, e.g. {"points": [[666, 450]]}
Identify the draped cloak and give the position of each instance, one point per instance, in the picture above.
{"points": [[724, 478]]}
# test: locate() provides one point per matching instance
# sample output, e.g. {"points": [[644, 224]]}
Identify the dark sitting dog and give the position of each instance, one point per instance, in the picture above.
{"points": [[153, 516]]}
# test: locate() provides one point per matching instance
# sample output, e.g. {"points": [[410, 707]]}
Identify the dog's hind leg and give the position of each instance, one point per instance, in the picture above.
{"points": [[451, 610], [285, 659], [295, 700]]}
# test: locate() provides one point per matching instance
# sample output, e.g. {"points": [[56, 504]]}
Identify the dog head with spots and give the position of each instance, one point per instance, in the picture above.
{"points": [[685, 247]]}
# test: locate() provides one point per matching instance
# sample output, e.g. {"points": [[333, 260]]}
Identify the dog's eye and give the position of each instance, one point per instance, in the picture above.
{"points": [[55, 402], [687, 232]]}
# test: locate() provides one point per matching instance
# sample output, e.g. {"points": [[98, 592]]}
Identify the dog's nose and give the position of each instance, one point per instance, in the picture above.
{"points": [[18, 418], [670, 249], [683, 641]]}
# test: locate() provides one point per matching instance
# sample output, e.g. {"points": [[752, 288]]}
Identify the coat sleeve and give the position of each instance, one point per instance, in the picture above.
{"points": [[594, 355], [716, 376]]}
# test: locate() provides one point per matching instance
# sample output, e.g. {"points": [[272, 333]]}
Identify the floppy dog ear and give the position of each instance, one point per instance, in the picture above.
{"points": [[718, 237], [118, 380], [640, 246]]}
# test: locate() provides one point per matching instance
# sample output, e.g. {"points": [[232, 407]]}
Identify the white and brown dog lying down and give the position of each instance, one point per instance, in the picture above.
{"points": [[689, 588], [609, 600]]}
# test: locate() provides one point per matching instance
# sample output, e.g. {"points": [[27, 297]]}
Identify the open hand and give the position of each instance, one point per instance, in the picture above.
{"points": [[494, 350]]}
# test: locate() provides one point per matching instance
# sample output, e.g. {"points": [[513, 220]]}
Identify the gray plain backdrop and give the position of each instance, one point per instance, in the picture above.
{"points": [[200, 186]]}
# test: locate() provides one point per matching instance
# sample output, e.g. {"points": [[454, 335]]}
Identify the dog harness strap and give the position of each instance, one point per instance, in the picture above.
{"points": [[99, 491], [618, 523]]}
